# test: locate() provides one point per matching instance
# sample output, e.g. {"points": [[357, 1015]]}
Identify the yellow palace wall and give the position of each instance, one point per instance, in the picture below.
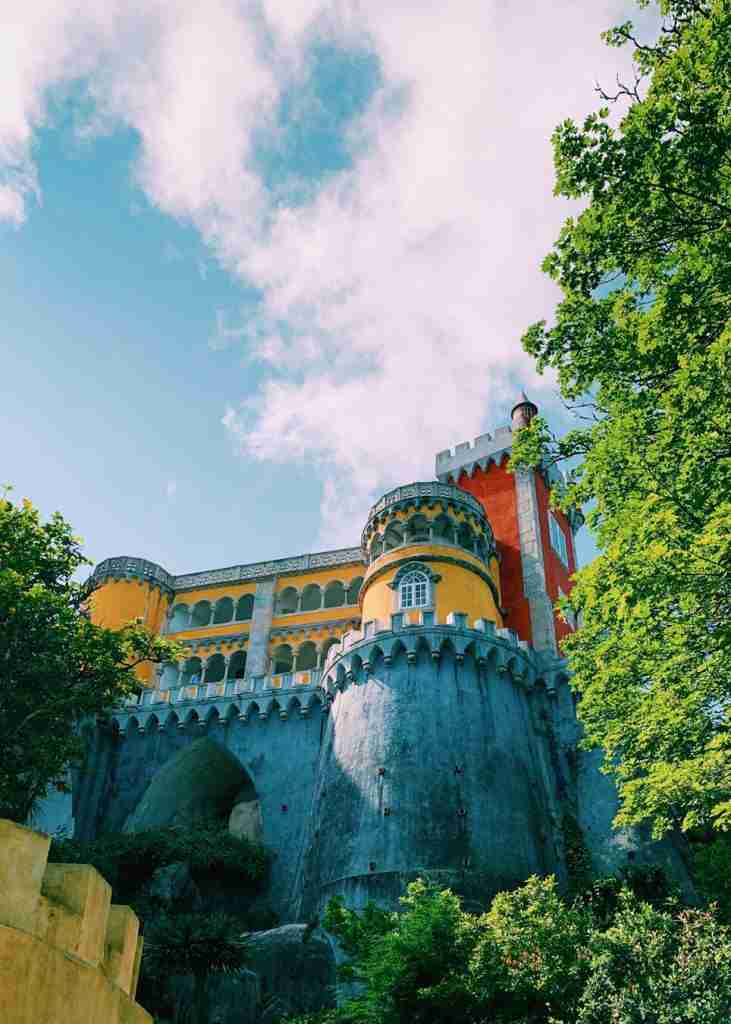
{"points": [[118, 602], [459, 590]]}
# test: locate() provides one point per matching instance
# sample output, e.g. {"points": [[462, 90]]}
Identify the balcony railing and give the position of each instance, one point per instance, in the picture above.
{"points": [[226, 690]]}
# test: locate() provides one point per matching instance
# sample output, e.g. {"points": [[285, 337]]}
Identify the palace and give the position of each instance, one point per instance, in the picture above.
{"points": [[373, 713], [501, 553]]}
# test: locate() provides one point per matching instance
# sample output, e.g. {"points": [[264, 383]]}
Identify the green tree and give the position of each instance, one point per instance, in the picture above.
{"points": [[56, 667], [533, 959], [655, 966], [642, 347]]}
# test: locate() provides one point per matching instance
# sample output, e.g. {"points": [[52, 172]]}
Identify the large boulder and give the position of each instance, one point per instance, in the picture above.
{"points": [[202, 781], [232, 999], [290, 970], [296, 969], [245, 821]]}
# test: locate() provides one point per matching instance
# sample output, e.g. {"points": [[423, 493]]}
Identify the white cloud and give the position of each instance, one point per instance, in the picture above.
{"points": [[171, 489], [394, 302]]}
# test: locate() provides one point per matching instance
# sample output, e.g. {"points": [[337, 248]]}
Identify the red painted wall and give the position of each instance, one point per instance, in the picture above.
{"points": [[495, 490], [557, 575]]}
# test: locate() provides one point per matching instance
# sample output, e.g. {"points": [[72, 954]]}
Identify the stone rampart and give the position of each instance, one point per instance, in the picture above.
{"points": [[67, 955]]}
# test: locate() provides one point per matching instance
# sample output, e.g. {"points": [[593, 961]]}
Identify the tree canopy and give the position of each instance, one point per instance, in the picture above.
{"points": [[609, 958], [641, 344], [56, 666]]}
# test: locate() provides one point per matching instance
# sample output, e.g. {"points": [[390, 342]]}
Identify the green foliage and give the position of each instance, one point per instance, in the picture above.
{"points": [[712, 873], [578, 859], [56, 667], [642, 344], [656, 966], [197, 944], [128, 861], [534, 959]]}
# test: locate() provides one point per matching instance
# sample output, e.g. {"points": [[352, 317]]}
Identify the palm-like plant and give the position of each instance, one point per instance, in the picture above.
{"points": [[195, 944]]}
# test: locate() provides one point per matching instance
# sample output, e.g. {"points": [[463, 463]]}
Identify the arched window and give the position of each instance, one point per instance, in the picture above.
{"points": [[443, 528], [311, 598], [465, 537], [393, 537], [287, 601], [354, 589], [237, 665], [191, 672], [306, 656], [245, 608], [215, 668], [376, 547], [224, 611], [414, 590], [201, 614], [179, 618], [282, 659], [418, 529], [334, 594]]}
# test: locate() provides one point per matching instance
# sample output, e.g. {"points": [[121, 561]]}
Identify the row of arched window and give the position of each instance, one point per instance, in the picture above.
{"points": [[420, 530], [311, 598], [218, 668], [306, 656], [206, 613], [215, 669]]}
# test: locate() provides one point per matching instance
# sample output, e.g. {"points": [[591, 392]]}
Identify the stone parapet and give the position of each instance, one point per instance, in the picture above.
{"points": [[408, 632], [66, 954], [424, 493], [465, 457], [128, 567], [289, 695]]}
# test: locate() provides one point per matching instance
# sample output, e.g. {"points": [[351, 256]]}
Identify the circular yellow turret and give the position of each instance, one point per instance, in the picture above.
{"points": [[128, 590], [429, 550]]}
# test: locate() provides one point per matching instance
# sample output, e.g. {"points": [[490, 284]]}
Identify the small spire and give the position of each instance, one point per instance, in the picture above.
{"points": [[523, 412]]}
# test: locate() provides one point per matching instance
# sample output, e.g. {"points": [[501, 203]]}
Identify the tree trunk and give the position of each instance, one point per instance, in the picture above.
{"points": [[200, 999]]}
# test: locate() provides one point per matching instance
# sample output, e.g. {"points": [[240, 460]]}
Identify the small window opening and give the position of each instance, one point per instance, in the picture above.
{"points": [[414, 590]]}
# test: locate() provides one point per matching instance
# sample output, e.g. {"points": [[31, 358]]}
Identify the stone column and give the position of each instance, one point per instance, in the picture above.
{"points": [[534, 569], [257, 660]]}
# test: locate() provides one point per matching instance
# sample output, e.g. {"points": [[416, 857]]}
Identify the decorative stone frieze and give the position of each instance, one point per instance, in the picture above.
{"points": [[125, 567]]}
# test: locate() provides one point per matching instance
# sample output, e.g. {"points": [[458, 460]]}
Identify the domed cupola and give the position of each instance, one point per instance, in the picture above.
{"points": [[430, 551]]}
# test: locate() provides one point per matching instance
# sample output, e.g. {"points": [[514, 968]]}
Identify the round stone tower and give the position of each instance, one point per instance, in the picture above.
{"points": [[439, 757]]}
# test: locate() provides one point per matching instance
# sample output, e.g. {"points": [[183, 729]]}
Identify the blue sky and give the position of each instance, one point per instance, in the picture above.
{"points": [[257, 268]]}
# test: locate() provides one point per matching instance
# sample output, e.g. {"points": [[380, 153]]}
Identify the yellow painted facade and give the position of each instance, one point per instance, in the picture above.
{"points": [[118, 602], [264, 634], [66, 955], [461, 588]]}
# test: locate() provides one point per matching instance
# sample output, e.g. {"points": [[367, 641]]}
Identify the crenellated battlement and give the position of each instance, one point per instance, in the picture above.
{"points": [[66, 953], [465, 457], [292, 695], [409, 632]]}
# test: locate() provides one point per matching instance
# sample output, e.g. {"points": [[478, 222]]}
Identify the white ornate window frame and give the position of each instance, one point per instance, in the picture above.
{"points": [[406, 570]]}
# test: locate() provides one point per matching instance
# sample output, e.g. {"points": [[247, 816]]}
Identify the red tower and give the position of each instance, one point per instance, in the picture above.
{"points": [[534, 541]]}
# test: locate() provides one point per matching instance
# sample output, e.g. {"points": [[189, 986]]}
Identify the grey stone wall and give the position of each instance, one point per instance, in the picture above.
{"points": [[280, 758], [430, 767], [448, 751]]}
